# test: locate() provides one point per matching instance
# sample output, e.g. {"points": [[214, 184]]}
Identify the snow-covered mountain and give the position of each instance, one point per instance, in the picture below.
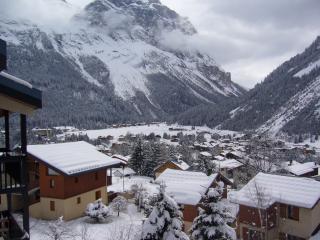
{"points": [[288, 100], [114, 61]]}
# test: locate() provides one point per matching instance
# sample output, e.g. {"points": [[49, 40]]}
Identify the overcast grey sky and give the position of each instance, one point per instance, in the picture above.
{"points": [[250, 38]]}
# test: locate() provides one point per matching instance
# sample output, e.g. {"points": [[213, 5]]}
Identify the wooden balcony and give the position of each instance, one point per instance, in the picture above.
{"points": [[11, 173]]}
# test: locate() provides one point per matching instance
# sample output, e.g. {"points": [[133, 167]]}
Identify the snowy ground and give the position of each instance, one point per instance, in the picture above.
{"points": [[126, 226], [158, 129]]}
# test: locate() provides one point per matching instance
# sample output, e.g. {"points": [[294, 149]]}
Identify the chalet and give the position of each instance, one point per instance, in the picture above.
{"points": [[278, 207], [173, 164], [65, 177], [229, 167], [307, 169], [42, 132], [123, 172], [189, 194], [234, 155], [205, 155], [16, 97]]}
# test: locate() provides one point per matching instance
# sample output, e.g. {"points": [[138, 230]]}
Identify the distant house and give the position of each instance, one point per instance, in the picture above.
{"points": [[307, 169], [42, 132], [235, 155], [65, 177], [206, 155], [278, 207], [173, 164], [229, 168], [187, 188], [123, 172]]}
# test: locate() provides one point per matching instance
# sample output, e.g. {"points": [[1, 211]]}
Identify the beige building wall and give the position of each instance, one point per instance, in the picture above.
{"points": [[4, 204], [16, 202], [309, 219], [68, 208]]}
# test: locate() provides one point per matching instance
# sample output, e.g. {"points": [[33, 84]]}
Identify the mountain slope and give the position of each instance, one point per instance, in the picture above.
{"points": [[287, 100], [115, 62]]}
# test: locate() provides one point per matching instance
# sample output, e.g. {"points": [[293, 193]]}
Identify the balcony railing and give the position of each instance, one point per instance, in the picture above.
{"points": [[12, 167]]}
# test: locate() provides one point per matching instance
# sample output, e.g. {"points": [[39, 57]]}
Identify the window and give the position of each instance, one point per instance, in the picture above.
{"points": [[76, 179], [78, 200], [51, 183], [51, 172], [96, 176], [293, 212], [52, 206], [98, 195]]}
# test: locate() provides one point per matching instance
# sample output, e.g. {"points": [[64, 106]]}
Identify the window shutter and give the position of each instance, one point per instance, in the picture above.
{"points": [[283, 210], [295, 214]]}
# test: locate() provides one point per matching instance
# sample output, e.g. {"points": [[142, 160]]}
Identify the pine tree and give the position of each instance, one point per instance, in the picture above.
{"points": [[212, 220], [136, 161], [149, 161], [165, 221], [160, 153], [172, 152]]}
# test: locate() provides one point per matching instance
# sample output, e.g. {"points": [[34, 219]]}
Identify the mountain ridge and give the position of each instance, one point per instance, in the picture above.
{"points": [[115, 65]]}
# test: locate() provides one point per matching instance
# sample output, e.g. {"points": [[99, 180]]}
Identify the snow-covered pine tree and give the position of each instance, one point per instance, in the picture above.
{"points": [[136, 161], [212, 220], [165, 221], [149, 161], [160, 153], [172, 152]]}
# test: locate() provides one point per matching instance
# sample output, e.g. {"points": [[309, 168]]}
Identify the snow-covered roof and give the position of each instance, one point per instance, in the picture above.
{"points": [[184, 186], [228, 163], [123, 159], [206, 154], [219, 158], [181, 164], [302, 168], [15, 79], [296, 191], [123, 171], [73, 157]]}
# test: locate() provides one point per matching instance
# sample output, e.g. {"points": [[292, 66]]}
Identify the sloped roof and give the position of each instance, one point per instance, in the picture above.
{"points": [[181, 164], [228, 163], [296, 191], [19, 89], [302, 168], [186, 187], [72, 158]]}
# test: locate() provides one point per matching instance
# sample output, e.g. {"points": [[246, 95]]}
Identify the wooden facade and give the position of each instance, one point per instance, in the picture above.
{"points": [[167, 165], [63, 186]]}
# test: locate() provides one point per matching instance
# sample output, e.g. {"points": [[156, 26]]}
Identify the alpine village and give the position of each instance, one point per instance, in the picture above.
{"points": [[116, 125]]}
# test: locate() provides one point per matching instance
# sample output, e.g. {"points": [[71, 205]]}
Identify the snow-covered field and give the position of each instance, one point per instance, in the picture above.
{"points": [[158, 129]]}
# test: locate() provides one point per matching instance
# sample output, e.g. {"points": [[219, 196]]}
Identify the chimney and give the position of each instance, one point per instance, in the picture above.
{"points": [[3, 55], [290, 163]]}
